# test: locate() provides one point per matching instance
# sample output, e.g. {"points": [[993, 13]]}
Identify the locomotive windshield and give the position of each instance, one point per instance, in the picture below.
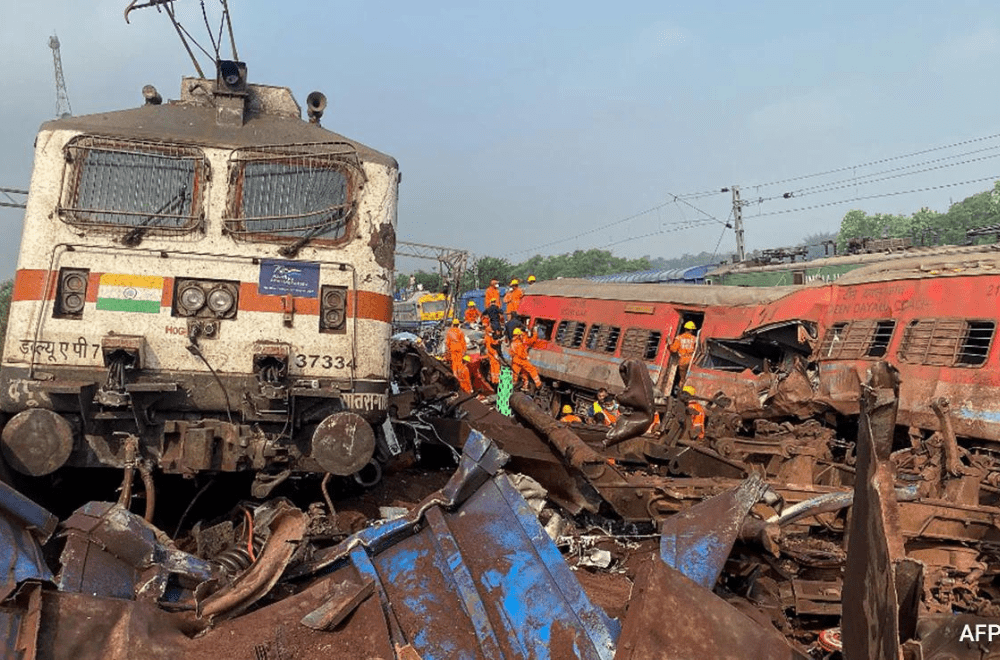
{"points": [[299, 196], [128, 185]]}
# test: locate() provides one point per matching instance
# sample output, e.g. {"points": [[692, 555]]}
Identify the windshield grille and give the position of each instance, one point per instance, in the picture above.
{"points": [[129, 185], [298, 192]]}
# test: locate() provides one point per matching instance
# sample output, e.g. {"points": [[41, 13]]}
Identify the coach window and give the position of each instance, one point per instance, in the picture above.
{"points": [[947, 342], [544, 328], [594, 336], [641, 344], [133, 188], [880, 338], [857, 339], [293, 195], [570, 333]]}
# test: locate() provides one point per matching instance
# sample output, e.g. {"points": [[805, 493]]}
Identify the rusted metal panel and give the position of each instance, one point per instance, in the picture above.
{"points": [[871, 611], [669, 616]]}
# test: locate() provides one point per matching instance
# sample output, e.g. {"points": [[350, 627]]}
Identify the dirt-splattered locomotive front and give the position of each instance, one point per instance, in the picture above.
{"points": [[203, 284]]}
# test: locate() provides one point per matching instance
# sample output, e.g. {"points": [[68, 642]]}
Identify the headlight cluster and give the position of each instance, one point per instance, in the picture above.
{"points": [[72, 292], [333, 309], [205, 298]]}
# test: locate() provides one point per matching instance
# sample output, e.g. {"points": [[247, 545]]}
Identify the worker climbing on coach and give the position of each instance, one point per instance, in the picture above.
{"points": [[454, 342], [568, 416], [695, 415], [683, 346], [471, 313], [512, 300], [519, 362]]}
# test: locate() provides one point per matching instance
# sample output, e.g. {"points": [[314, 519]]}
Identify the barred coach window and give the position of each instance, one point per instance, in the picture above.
{"points": [[133, 186], [294, 195]]}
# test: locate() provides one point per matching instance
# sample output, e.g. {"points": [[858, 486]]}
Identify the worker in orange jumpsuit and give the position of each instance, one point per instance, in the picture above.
{"points": [[696, 416], [513, 298], [471, 313], [463, 375], [568, 417], [491, 342], [684, 345], [519, 362], [492, 294], [454, 343]]}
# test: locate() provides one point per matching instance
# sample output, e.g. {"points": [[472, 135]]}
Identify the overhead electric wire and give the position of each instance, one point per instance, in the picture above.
{"points": [[849, 183], [673, 200], [877, 162], [876, 196], [866, 179]]}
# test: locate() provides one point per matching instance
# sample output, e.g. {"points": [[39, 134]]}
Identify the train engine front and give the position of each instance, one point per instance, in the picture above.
{"points": [[203, 285]]}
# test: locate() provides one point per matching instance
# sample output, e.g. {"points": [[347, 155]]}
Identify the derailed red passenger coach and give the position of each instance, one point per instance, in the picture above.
{"points": [[792, 351]]}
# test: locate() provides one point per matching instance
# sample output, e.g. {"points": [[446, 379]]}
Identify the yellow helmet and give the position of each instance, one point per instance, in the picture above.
{"points": [[466, 358], [472, 303], [690, 325], [455, 321], [567, 409], [688, 390], [514, 282], [531, 278], [517, 331]]}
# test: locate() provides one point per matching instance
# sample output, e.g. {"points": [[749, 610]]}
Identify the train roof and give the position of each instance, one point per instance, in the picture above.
{"points": [[687, 274], [972, 260], [685, 294], [272, 117], [864, 259]]}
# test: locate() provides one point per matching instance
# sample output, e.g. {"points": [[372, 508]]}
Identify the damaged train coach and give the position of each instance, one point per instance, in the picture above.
{"points": [[203, 284], [796, 351]]}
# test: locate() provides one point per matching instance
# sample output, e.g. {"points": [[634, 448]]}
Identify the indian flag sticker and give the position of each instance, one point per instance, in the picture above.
{"points": [[130, 293]]}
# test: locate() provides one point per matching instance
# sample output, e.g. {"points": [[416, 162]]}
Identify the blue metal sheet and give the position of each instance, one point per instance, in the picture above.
{"points": [[481, 581], [20, 556]]}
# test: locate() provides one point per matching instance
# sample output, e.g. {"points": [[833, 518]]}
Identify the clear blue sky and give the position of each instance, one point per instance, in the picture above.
{"points": [[517, 124]]}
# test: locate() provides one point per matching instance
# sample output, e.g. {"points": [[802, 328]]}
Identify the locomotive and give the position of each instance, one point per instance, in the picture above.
{"points": [[793, 351], [203, 284]]}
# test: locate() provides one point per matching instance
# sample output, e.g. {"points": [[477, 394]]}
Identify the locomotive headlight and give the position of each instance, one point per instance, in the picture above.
{"points": [[72, 293], [192, 299], [333, 312], [221, 300]]}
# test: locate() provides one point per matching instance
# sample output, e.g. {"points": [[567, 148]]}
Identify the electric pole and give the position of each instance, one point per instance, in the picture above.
{"points": [[738, 224], [63, 108]]}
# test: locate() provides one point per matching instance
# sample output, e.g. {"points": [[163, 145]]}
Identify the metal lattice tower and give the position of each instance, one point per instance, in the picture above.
{"points": [[63, 108]]}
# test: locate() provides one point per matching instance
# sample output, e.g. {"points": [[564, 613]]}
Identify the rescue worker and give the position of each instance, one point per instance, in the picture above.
{"points": [[491, 342], [491, 309], [568, 416], [463, 375], [531, 280], [454, 344], [600, 410], [684, 345], [519, 362], [695, 416], [512, 300], [492, 296], [471, 313]]}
